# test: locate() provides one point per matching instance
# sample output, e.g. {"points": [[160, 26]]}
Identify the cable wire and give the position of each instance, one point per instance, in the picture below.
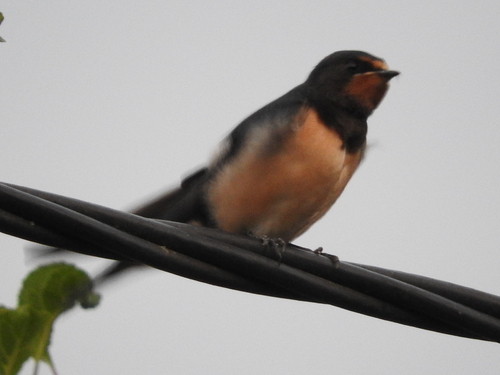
{"points": [[244, 263]]}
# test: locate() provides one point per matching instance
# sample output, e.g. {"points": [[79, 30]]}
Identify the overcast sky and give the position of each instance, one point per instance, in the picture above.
{"points": [[112, 102]]}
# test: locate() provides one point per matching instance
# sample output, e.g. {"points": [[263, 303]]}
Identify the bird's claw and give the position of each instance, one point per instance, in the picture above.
{"points": [[319, 251], [277, 246]]}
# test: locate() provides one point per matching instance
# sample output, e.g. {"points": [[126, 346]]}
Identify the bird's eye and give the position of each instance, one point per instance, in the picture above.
{"points": [[352, 66]]}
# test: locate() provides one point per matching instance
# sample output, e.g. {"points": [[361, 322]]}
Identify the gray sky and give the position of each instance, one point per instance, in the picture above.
{"points": [[111, 102]]}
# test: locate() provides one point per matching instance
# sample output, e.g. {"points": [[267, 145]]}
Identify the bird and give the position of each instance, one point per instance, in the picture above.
{"points": [[285, 165]]}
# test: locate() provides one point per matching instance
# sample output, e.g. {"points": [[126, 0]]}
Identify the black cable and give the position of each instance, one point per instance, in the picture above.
{"points": [[241, 262]]}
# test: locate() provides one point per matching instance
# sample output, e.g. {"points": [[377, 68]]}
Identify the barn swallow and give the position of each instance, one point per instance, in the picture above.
{"points": [[286, 164]]}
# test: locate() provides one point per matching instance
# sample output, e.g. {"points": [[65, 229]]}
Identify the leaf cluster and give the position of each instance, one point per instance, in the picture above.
{"points": [[46, 293]]}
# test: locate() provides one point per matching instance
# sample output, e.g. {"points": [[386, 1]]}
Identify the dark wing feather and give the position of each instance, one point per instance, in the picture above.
{"points": [[183, 204], [278, 115]]}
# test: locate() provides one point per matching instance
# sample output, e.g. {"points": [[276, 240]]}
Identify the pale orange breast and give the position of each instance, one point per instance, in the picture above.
{"points": [[281, 194]]}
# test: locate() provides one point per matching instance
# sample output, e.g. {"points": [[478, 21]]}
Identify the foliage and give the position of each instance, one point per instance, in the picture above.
{"points": [[46, 293], [1, 19]]}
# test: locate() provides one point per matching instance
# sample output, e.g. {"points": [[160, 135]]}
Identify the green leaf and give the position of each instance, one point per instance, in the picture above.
{"points": [[1, 19], [47, 292], [21, 332], [50, 290], [56, 288]]}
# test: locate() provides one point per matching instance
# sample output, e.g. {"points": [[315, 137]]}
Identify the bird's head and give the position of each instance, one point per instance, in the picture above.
{"points": [[353, 80]]}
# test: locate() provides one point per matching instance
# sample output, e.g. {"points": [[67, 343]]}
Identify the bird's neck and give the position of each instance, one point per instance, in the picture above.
{"points": [[351, 126]]}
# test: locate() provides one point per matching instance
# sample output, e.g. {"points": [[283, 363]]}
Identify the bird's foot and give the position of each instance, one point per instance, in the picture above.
{"points": [[319, 251], [276, 246]]}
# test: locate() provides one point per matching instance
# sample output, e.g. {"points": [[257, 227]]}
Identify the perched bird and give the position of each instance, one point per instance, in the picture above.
{"points": [[286, 164]]}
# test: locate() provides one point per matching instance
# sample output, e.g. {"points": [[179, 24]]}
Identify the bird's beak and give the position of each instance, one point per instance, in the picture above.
{"points": [[387, 74]]}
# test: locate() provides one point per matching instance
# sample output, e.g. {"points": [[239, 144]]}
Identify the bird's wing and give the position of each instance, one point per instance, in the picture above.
{"points": [[183, 204]]}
